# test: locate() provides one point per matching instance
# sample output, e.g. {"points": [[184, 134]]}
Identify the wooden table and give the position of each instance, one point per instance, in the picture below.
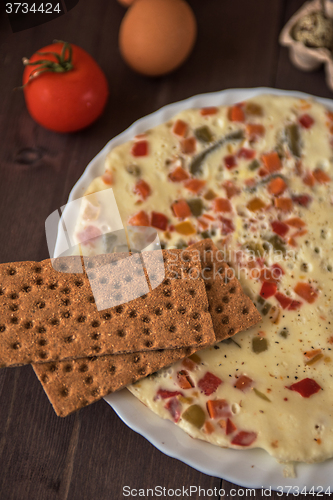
{"points": [[92, 454]]}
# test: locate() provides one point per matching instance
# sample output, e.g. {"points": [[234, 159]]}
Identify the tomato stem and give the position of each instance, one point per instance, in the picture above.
{"points": [[62, 65]]}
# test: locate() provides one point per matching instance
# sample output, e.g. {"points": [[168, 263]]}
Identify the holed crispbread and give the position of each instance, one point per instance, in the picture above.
{"points": [[73, 384], [231, 309], [48, 315], [76, 383]]}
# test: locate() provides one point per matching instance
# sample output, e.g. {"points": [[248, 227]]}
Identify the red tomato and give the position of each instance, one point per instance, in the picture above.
{"points": [[65, 101]]}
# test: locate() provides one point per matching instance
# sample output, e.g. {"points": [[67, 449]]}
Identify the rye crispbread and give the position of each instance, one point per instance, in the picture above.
{"points": [[46, 315], [231, 309], [70, 385], [73, 384]]}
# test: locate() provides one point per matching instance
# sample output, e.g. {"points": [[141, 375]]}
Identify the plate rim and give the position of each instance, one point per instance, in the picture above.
{"points": [[255, 471]]}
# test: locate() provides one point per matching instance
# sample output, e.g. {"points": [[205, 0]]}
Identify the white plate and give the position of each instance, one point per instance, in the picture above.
{"points": [[250, 468]]}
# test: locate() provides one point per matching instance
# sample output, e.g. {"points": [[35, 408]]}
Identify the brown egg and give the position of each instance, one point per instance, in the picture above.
{"points": [[126, 3], [156, 36]]}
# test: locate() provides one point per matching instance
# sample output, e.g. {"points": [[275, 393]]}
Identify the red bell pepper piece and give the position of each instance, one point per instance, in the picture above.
{"points": [[218, 408], [159, 221], [236, 114], [295, 305], [321, 176], [302, 199], [178, 175], [306, 291], [181, 209], [268, 289], [277, 186], [263, 172], [255, 131], [221, 205], [284, 300], [188, 145], [107, 178], [284, 204], [306, 121], [246, 153], [230, 427], [279, 228], [295, 222], [309, 179], [142, 189], [272, 275], [140, 148], [209, 383], [180, 128], [227, 225], [231, 189], [184, 381], [195, 185], [173, 406], [277, 271], [287, 302], [139, 219], [306, 387], [165, 394], [268, 275], [230, 161], [244, 438], [212, 110], [272, 162]]}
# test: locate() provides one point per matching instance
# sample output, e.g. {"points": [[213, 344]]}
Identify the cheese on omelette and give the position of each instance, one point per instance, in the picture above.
{"points": [[256, 178]]}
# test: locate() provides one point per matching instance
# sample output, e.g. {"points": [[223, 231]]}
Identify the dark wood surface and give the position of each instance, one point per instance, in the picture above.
{"points": [[92, 454]]}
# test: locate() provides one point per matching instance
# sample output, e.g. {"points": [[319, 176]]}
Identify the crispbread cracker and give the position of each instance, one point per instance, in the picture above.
{"points": [[48, 315], [231, 309], [73, 384]]}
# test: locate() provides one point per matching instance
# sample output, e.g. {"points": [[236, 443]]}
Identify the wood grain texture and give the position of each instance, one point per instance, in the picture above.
{"points": [[92, 454]]}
